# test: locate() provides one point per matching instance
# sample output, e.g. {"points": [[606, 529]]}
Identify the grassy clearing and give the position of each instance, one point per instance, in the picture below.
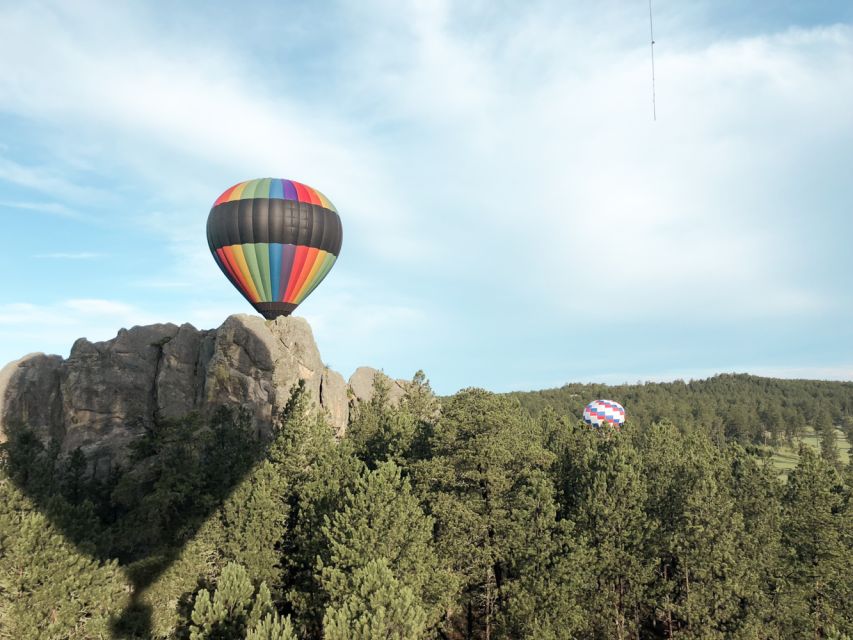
{"points": [[786, 458]]}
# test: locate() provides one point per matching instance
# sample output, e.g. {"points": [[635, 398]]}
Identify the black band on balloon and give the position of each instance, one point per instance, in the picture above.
{"points": [[274, 220]]}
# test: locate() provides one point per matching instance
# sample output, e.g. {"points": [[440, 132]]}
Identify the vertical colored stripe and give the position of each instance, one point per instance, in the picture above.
{"points": [[219, 255], [228, 263], [226, 269], [235, 253], [275, 270], [301, 192], [237, 193], [229, 259], [327, 266], [288, 252], [313, 198], [249, 190], [289, 190], [226, 195], [262, 189], [312, 273], [325, 201], [262, 253], [310, 259], [255, 271], [298, 262], [328, 263], [275, 188]]}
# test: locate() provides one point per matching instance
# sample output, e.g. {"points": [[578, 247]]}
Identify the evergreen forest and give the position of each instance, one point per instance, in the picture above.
{"points": [[475, 516]]}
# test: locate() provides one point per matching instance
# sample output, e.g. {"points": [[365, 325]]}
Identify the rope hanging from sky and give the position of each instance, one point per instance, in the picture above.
{"points": [[652, 39]]}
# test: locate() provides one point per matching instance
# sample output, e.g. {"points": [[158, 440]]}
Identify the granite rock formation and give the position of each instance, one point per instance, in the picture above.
{"points": [[105, 394]]}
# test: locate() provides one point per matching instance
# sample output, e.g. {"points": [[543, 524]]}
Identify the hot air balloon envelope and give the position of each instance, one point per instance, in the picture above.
{"points": [[275, 240], [600, 413]]}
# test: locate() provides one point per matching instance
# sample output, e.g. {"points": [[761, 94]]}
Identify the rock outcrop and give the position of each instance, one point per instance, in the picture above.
{"points": [[361, 385], [105, 394]]}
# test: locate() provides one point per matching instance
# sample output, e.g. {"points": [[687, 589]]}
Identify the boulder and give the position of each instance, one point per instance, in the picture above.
{"points": [[257, 362], [29, 395], [361, 385], [109, 391]]}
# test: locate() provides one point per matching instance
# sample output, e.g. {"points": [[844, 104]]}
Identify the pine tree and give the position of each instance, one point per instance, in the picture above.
{"points": [[795, 425], [544, 598], [169, 598], [419, 399], [713, 572], [236, 610], [380, 518], [829, 446], [247, 529], [377, 606], [485, 456], [662, 453], [318, 473], [272, 627], [381, 432], [612, 519], [48, 589], [253, 519], [815, 532], [823, 421], [757, 495], [74, 481]]}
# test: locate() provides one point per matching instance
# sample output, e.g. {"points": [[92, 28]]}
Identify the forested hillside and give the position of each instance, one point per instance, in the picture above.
{"points": [[734, 407], [480, 516]]}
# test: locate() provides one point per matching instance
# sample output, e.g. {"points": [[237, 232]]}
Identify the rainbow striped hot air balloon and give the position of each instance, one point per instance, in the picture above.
{"points": [[275, 240], [600, 413]]}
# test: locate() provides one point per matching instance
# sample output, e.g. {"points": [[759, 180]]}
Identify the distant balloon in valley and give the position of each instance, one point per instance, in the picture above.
{"points": [[275, 240], [604, 413]]}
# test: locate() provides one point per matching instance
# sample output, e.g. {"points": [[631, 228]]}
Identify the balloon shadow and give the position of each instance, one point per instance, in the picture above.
{"points": [[142, 513]]}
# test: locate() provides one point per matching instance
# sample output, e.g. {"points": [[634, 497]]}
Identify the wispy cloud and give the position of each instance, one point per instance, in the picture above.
{"points": [[27, 327], [579, 191], [195, 103], [52, 208], [47, 180], [79, 255], [594, 195], [162, 284], [72, 311], [483, 156]]}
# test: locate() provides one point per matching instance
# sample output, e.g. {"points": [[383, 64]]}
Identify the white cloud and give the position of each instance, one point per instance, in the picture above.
{"points": [[196, 104], [481, 149], [569, 187]]}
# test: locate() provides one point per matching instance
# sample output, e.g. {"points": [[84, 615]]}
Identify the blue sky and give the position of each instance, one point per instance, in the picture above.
{"points": [[513, 217]]}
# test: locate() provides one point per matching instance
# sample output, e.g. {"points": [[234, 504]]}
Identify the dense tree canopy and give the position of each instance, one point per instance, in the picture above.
{"points": [[478, 516]]}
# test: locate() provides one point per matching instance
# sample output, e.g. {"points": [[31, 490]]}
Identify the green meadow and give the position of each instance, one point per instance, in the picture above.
{"points": [[786, 457]]}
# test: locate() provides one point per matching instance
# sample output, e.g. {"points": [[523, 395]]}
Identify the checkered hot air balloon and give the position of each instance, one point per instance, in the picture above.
{"points": [[600, 413], [275, 240]]}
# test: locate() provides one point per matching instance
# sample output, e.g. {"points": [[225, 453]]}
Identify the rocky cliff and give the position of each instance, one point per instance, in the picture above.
{"points": [[105, 394]]}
